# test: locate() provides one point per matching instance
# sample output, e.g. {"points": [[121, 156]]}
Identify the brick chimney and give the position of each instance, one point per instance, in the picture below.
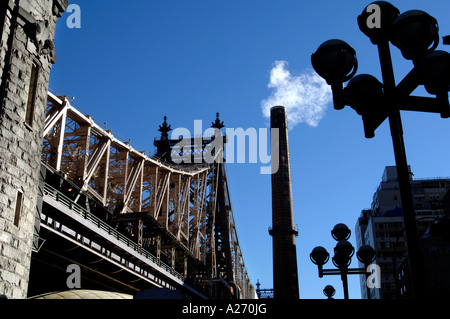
{"points": [[283, 232]]}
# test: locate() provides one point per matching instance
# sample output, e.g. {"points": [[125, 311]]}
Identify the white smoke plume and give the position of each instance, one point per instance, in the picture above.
{"points": [[305, 96]]}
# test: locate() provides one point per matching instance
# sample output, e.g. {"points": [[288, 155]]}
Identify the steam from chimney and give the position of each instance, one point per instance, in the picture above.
{"points": [[306, 96]]}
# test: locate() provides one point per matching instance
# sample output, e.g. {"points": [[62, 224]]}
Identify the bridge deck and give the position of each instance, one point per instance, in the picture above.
{"points": [[77, 228]]}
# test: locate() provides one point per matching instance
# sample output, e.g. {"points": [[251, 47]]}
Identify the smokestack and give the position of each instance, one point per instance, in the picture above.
{"points": [[283, 232]]}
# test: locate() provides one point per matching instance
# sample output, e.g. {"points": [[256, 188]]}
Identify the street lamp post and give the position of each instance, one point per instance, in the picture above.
{"points": [[343, 253], [329, 291], [416, 34]]}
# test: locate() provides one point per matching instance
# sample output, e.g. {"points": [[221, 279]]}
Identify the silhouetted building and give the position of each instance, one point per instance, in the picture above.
{"points": [[435, 245], [382, 226]]}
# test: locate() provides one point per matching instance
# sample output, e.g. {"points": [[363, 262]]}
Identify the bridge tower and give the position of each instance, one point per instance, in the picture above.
{"points": [[27, 55]]}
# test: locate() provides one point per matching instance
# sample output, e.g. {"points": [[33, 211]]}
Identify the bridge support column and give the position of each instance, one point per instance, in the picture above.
{"points": [[158, 247], [173, 258], [140, 235]]}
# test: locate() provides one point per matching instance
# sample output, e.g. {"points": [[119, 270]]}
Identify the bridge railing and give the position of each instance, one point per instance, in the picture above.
{"points": [[67, 202]]}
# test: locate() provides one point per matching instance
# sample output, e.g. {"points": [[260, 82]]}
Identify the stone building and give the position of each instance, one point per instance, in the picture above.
{"points": [[26, 57]]}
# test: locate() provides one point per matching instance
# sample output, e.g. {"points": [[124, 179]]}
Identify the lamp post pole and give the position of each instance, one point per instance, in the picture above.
{"points": [[416, 34], [403, 174], [345, 282]]}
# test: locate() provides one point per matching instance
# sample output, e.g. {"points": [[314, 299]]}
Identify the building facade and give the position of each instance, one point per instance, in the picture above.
{"points": [[382, 226], [435, 247], [27, 55]]}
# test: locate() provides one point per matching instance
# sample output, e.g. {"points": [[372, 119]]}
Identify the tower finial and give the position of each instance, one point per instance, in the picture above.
{"points": [[165, 129], [163, 145], [218, 124]]}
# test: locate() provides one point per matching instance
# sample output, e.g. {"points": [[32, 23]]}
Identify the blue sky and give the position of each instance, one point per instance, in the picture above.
{"points": [[132, 63]]}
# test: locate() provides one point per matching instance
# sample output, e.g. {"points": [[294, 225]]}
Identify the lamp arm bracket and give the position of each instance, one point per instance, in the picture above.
{"points": [[409, 83], [350, 271], [420, 104]]}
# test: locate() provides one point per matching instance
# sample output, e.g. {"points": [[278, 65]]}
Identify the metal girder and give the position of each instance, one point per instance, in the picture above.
{"points": [[176, 210]]}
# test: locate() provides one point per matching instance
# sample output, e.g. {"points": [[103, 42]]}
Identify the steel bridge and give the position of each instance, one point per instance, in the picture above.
{"points": [[132, 222]]}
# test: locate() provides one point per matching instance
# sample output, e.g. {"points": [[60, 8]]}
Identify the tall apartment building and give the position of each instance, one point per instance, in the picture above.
{"points": [[382, 226]]}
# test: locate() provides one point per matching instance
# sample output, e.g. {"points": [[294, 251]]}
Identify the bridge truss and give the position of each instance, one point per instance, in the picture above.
{"points": [[180, 214]]}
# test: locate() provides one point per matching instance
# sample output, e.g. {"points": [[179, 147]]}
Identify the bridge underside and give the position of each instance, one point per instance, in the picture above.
{"points": [[49, 269], [106, 249]]}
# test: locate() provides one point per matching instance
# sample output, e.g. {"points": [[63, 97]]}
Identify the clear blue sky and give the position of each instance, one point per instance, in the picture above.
{"points": [[131, 63]]}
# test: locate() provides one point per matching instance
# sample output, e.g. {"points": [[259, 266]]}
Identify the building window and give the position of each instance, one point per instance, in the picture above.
{"points": [[433, 250], [447, 250], [19, 201], [31, 95]]}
